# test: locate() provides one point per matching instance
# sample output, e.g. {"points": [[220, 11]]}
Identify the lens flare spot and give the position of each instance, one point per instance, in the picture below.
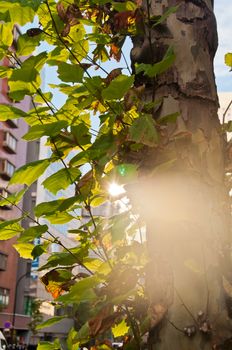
{"points": [[115, 189]]}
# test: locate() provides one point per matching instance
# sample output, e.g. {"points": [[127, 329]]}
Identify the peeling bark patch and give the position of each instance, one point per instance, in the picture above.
{"points": [[189, 13], [200, 85]]}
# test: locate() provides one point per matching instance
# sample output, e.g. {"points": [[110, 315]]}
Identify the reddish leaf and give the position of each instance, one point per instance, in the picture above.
{"points": [[133, 96], [85, 65], [61, 11], [66, 30], [70, 16], [112, 75], [103, 321], [88, 177], [115, 52], [55, 283], [34, 32], [73, 14], [122, 20]]}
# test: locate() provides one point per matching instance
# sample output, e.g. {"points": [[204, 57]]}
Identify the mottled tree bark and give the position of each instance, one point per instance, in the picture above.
{"points": [[189, 279]]}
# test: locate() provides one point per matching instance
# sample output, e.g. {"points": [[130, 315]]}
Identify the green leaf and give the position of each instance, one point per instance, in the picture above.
{"points": [[169, 118], [118, 87], [143, 131], [10, 112], [21, 14], [84, 332], [81, 134], [61, 179], [5, 71], [228, 126], [55, 345], [31, 233], [19, 89], [36, 62], [70, 72], [98, 200], [24, 249], [39, 249], [30, 172], [6, 34], [17, 11], [51, 129], [34, 4], [119, 223], [79, 159], [26, 44], [161, 19], [59, 218], [51, 321], [82, 290], [58, 205], [40, 99], [65, 258], [27, 74], [228, 59], [120, 329], [71, 340], [152, 70], [10, 229], [14, 198], [124, 6], [93, 264]]}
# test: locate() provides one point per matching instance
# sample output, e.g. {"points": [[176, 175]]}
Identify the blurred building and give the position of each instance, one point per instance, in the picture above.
{"points": [[13, 154]]}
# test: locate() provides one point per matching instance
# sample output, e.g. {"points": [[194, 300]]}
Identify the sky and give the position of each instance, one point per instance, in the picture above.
{"points": [[223, 11]]}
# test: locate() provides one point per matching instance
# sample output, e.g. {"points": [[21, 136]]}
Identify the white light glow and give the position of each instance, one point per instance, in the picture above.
{"points": [[115, 189]]}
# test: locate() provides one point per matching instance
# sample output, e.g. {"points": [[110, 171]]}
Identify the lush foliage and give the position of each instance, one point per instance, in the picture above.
{"points": [[103, 118]]}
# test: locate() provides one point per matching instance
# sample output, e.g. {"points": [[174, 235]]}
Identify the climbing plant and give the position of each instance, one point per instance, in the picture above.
{"points": [[84, 41]]}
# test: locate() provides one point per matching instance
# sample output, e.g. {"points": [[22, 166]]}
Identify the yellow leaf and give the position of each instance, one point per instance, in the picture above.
{"points": [[24, 249], [228, 59], [120, 329]]}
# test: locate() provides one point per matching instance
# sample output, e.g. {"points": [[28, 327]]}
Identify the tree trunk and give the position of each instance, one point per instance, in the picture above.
{"points": [[186, 206]]}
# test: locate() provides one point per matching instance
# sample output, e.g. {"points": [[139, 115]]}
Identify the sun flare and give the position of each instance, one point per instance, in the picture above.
{"points": [[115, 189]]}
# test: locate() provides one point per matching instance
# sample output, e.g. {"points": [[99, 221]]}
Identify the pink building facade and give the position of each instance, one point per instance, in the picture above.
{"points": [[13, 152]]}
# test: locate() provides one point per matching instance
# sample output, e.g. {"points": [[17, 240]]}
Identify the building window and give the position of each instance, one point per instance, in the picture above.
{"points": [[4, 297], [13, 123], [3, 261], [4, 194], [9, 142], [6, 169], [27, 305]]}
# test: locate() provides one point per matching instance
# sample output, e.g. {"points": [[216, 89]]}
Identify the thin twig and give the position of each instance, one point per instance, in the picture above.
{"points": [[173, 325], [134, 331], [127, 65], [224, 114], [186, 308]]}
